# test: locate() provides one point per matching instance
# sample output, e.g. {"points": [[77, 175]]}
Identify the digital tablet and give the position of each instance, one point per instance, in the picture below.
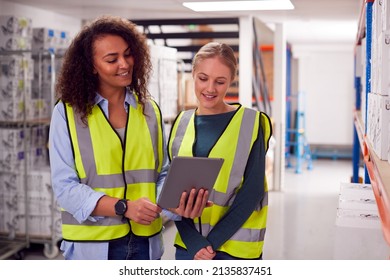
{"points": [[186, 173]]}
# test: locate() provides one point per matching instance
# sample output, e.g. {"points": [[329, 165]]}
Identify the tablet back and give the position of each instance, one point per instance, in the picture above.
{"points": [[186, 173]]}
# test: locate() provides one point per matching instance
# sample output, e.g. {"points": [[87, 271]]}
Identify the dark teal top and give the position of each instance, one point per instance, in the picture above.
{"points": [[208, 129]]}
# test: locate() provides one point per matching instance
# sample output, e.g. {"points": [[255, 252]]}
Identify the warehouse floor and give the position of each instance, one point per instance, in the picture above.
{"points": [[301, 222]]}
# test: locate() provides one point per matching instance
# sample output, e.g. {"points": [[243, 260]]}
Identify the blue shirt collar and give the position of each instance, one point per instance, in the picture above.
{"points": [[129, 99]]}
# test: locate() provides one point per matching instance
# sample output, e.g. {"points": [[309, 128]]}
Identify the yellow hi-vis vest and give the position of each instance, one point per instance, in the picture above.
{"points": [[234, 145], [119, 170]]}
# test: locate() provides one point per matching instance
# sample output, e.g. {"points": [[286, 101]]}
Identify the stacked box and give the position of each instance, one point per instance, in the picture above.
{"points": [[11, 89], [43, 215], [378, 118], [357, 197], [12, 155], [380, 49], [47, 42], [44, 39], [163, 82], [43, 209], [12, 160], [15, 33], [16, 73], [49, 39], [43, 84], [385, 14], [16, 151], [39, 108], [358, 233]]}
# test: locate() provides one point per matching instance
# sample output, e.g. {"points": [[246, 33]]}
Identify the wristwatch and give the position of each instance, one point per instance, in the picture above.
{"points": [[121, 207]]}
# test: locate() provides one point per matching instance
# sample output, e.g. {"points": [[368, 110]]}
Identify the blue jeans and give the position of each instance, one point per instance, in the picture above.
{"points": [[130, 247], [182, 254]]}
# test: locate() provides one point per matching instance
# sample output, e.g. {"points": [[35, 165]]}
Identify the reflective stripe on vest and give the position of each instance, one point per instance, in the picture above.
{"points": [[234, 145], [123, 171]]}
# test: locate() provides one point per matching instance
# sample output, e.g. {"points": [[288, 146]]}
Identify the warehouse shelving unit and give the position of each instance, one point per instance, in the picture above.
{"points": [[35, 215], [12, 242], [377, 171]]}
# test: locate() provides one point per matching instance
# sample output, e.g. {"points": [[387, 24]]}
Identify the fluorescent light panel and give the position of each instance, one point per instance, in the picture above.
{"points": [[239, 5]]}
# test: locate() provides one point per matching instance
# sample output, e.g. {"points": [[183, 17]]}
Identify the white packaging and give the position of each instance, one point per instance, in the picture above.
{"points": [[11, 43], [381, 70], [39, 136], [15, 25], [17, 67], [64, 40], [358, 218], [11, 88], [12, 160], [40, 183], [38, 109], [355, 196], [163, 81], [378, 118], [385, 4], [356, 190], [37, 157], [11, 138], [11, 184], [44, 39], [12, 110]]}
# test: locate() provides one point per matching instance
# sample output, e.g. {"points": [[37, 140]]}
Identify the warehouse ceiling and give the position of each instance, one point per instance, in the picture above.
{"points": [[311, 22]]}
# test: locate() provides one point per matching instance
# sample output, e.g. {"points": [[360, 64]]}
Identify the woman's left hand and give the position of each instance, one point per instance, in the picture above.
{"points": [[192, 207]]}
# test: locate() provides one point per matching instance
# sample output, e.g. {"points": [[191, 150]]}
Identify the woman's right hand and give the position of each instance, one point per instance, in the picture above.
{"points": [[206, 253], [192, 205], [142, 211]]}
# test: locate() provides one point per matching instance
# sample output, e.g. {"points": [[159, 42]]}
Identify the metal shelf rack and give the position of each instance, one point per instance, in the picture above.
{"points": [[377, 171], [31, 218]]}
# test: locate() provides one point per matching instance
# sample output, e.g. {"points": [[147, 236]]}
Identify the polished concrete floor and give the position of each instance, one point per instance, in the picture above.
{"points": [[302, 220]]}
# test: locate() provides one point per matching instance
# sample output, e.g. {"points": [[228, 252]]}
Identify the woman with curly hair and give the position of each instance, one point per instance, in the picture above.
{"points": [[107, 147]]}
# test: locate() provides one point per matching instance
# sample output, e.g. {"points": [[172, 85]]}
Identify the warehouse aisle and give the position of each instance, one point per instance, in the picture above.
{"points": [[301, 221]]}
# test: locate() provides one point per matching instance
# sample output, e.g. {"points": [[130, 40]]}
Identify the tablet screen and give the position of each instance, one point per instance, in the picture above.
{"points": [[186, 173]]}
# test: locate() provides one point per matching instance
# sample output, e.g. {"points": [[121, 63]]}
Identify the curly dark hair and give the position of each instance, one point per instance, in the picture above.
{"points": [[76, 83]]}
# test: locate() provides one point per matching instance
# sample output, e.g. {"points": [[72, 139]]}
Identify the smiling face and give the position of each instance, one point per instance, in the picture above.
{"points": [[212, 79], [113, 63]]}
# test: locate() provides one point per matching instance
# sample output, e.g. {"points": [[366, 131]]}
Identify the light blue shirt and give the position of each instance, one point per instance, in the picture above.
{"points": [[79, 199]]}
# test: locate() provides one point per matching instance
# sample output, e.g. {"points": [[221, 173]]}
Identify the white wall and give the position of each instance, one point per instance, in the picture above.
{"points": [[325, 75], [42, 18]]}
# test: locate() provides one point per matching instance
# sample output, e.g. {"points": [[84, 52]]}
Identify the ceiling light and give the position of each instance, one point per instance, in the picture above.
{"points": [[239, 5]]}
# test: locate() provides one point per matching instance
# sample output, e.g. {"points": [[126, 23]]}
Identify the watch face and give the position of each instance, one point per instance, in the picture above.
{"points": [[121, 207]]}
